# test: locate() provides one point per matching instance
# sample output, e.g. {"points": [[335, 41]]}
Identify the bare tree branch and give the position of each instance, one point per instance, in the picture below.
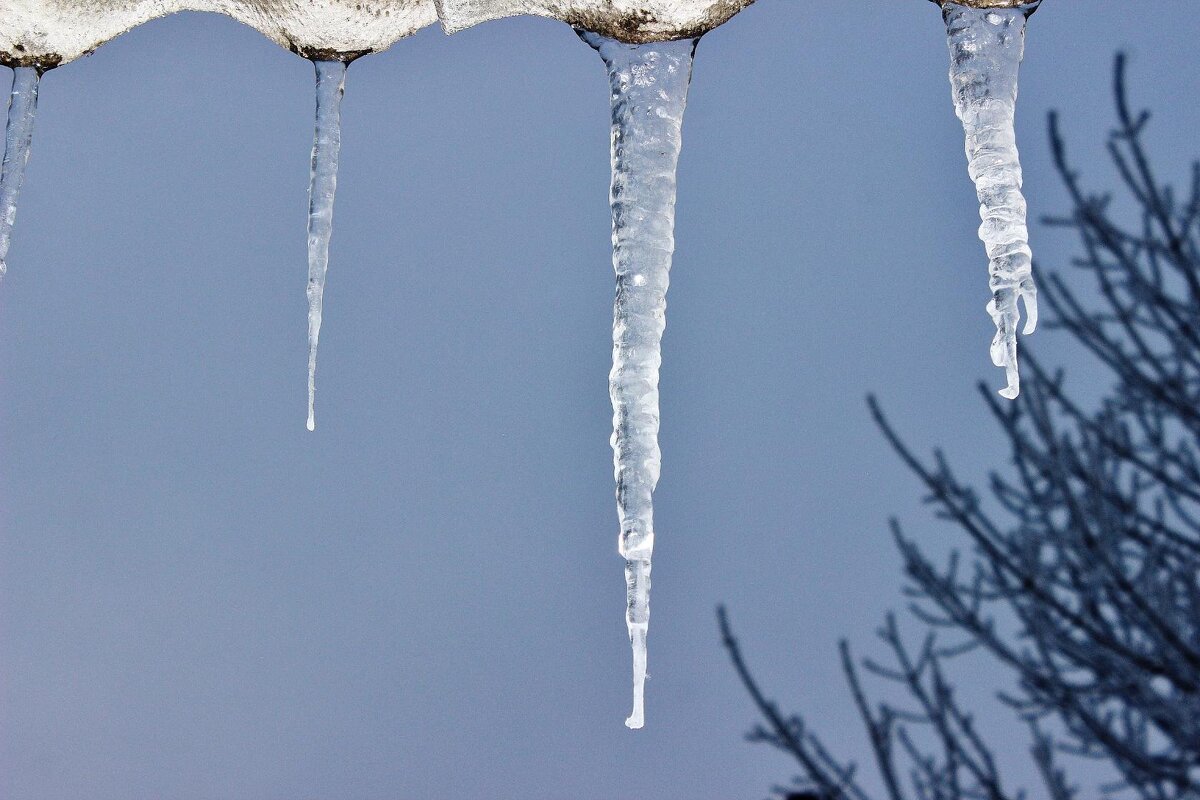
{"points": [[1082, 572]]}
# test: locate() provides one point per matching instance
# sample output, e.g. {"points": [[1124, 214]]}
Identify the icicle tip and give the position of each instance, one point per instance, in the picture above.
{"points": [[637, 638], [312, 399], [1029, 298]]}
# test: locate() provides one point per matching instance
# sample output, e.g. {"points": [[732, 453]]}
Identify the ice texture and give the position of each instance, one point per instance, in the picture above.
{"points": [[18, 137], [46, 33], [327, 144], [629, 21], [986, 46], [649, 86]]}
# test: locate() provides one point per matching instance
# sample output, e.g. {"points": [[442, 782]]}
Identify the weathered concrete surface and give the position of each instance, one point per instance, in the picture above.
{"points": [[46, 33], [631, 21], [987, 3]]}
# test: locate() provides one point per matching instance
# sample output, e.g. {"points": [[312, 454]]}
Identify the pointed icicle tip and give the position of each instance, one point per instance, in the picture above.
{"points": [[327, 143], [637, 638]]}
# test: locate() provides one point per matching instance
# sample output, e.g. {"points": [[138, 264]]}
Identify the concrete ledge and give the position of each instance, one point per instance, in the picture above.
{"points": [[630, 21], [987, 3], [46, 33]]}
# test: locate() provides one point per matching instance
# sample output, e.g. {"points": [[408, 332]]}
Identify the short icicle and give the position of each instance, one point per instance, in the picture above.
{"points": [[18, 137], [986, 46], [649, 85], [327, 143]]}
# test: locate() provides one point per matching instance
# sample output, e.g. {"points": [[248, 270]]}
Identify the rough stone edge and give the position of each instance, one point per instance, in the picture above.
{"points": [[42, 62], [45, 61], [985, 3], [630, 28], [643, 28]]}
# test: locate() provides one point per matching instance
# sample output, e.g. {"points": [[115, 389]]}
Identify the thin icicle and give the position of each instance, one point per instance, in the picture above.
{"points": [[649, 86], [986, 46], [327, 143], [18, 137]]}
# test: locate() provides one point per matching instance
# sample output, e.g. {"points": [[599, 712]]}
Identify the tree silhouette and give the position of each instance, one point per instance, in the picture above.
{"points": [[1082, 575]]}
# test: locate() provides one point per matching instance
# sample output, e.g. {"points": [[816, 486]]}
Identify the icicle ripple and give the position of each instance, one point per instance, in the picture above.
{"points": [[649, 85], [327, 143], [18, 137], [986, 46]]}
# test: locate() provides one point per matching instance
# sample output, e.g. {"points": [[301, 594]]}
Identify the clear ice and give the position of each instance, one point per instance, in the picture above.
{"points": [[327, 143], [18, 136], [986, 46], [649, 85]]}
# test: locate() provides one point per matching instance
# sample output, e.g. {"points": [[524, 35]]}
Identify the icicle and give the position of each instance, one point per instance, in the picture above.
{"points": [[649, 86], [331, 84], [986, 46], [17, 140]]}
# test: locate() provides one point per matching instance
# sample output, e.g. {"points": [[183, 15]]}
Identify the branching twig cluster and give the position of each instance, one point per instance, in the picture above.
{"points": [[1085, 580]]}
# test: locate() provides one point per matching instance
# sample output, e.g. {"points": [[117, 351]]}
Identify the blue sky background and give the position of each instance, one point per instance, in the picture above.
{"points": [[201, 600]]}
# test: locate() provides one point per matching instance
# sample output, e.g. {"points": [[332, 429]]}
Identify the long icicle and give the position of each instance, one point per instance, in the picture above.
{"points": [[18, 137], [986, 47], [327, 143], [649, 85]]}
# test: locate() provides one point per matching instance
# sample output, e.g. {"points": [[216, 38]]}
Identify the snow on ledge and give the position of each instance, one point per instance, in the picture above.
{"points": [[986, 3], [46, 33], [630, 21]]}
